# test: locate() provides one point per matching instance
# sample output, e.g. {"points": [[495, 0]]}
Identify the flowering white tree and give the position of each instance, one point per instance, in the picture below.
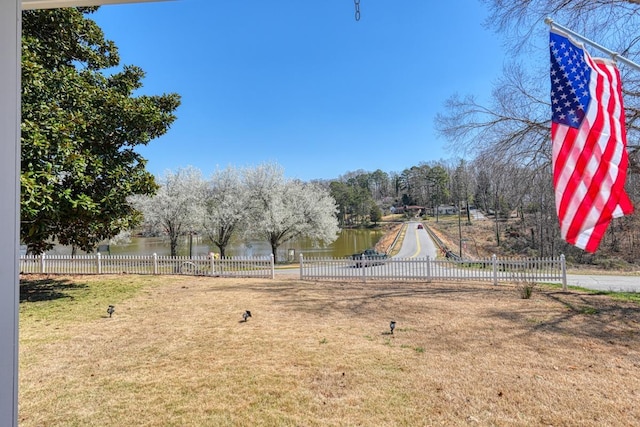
{"points": [[225, 206], [176, 208], [282, 209]]}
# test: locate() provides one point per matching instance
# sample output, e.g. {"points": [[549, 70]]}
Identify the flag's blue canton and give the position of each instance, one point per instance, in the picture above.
{"points": [[570, 76]]}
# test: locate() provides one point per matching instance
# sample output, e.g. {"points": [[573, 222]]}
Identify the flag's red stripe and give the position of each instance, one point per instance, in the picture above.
{"points": [[598, 188], [611, 172], [588, 194]]}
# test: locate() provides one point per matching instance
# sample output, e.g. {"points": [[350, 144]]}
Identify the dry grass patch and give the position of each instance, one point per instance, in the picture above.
{"points": [[480, 235], [176, 353], [394, 233]]}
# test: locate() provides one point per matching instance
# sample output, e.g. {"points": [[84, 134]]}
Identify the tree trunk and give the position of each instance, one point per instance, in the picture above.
{"points": [[495, 214], [173, 244]]}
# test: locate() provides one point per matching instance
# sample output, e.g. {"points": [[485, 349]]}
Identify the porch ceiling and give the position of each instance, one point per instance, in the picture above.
{"points": [[50, 4]]}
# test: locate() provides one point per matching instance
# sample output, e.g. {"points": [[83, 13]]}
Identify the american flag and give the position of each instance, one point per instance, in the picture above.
{"points": [[589, 142]]}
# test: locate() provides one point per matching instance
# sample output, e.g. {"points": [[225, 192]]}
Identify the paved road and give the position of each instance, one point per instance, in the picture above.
{"points": [[605, 283], [476, 214], [417, 243]]}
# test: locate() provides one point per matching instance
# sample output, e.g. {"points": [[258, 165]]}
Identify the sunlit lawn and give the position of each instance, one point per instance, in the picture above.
{"points": [[176, 353]]}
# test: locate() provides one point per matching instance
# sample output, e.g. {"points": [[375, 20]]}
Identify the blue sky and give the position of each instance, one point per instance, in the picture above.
{"points": [[301, 83]]}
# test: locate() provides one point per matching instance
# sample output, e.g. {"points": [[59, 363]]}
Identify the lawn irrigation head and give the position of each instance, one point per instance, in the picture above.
{"points": [[392, 325], [246, 315], [111, 309]]}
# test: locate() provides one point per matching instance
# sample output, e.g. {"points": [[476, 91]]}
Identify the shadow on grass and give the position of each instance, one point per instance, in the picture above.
{"points": [[591, 315], [47, 289], [609, 318], [358, 298]]}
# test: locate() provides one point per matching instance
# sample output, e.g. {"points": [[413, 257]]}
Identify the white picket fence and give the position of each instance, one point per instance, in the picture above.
{"points": [[260, 267], [493, 269]]}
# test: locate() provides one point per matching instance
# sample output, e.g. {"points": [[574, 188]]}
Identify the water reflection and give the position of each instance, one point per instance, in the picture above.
{"points": [[348, 242]]}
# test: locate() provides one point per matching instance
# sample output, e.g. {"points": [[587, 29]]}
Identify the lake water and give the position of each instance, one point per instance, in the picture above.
{"points": [[348, 242]]}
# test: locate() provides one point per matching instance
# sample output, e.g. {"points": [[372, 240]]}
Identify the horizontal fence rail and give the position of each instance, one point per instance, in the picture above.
{"points": [[259, 267], [493, 269]]}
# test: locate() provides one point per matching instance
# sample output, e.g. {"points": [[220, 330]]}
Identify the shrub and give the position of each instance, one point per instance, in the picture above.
{"points": [[525, 289]]}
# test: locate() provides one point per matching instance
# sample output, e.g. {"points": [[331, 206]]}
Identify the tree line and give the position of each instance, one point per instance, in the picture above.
{"points": [[254, 203], [519, 199]]}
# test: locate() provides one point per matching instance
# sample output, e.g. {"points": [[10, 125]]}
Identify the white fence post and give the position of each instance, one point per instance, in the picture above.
{"points": [[563, 268], [212, 263], [301, 266], [155, 263], [99, 262], [494, 263], [42, 268], [428, 268]]}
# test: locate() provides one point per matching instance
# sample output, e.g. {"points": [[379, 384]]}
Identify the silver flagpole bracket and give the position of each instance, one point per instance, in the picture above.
{"points": [[615, 56]]}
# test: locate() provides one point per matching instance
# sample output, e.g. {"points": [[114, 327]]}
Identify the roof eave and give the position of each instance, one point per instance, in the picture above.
{"points": [[51, 4]]}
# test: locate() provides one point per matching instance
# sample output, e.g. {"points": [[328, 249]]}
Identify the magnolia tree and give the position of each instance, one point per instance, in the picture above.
{"points": [[282, 210], [82, 122], [225, 206], [176, 209]]}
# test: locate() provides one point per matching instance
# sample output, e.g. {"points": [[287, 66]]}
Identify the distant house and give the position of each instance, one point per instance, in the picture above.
{"points": [[411, 209], [447, 210]]}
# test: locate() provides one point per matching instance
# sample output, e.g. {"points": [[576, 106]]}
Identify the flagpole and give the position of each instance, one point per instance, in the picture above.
{"points": [[614, 55]]}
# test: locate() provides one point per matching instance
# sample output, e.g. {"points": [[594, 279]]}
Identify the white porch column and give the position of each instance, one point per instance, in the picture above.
{"points": [[10, 29]]}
